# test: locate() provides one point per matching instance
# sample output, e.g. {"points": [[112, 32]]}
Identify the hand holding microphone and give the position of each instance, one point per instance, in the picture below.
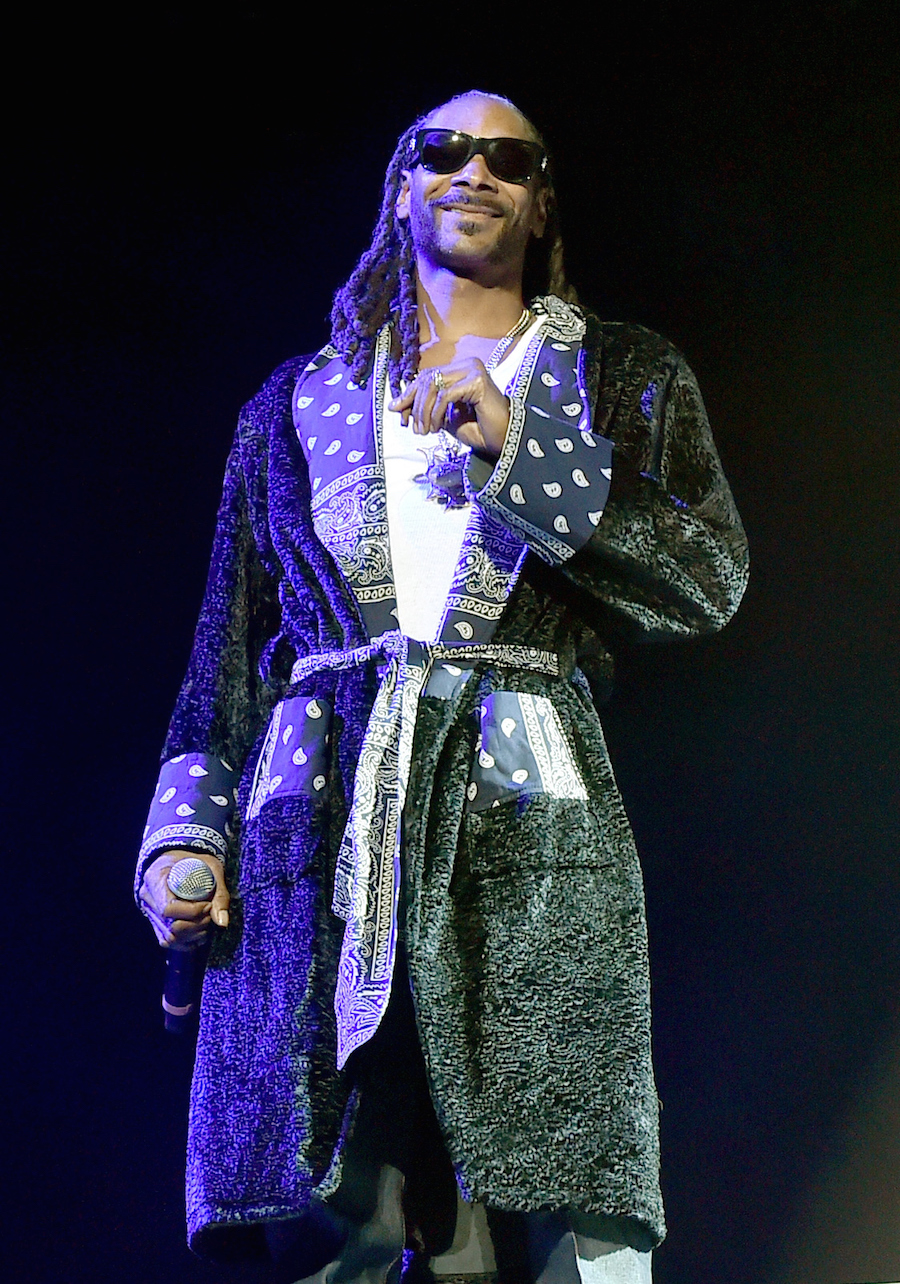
{"points": [[182, 894]]}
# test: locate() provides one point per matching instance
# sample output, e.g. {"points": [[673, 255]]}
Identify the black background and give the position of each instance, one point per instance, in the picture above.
{"points": [[182, 195]]}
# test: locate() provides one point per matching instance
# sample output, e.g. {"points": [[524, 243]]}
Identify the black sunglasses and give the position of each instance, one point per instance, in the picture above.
{"points": [[444, 151]]}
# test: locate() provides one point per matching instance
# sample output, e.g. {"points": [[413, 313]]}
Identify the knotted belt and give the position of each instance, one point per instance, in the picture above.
{"points": [[367, 878]]}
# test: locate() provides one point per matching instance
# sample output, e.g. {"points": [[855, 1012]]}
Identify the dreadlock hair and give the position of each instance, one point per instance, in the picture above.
{"points": [[382, 286]]}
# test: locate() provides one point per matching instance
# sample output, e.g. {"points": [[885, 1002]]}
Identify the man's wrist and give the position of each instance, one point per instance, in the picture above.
{"points": [[477, 472], [494, 435]]}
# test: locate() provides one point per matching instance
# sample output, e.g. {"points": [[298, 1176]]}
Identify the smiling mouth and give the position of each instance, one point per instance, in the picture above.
{"points": [[465, 208]]}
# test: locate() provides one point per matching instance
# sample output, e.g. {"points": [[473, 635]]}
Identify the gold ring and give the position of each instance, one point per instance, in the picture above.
{"points": [[437, 379]]}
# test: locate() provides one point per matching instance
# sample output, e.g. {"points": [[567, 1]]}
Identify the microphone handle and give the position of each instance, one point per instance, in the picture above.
{"points": [[184, 968]]}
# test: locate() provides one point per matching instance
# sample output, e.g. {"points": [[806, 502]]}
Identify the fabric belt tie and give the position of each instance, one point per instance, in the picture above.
{"points": [[367, 877]]}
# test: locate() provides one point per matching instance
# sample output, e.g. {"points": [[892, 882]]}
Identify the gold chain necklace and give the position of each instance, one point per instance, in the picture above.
{"points": [[508, 340]]}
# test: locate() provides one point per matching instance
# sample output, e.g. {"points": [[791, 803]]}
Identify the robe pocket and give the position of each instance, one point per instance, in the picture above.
{"points": [[521, 749], [293, 758], [537, 836]]}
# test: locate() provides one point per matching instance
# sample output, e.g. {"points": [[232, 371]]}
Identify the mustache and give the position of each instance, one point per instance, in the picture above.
{"points": [[456, 199]]}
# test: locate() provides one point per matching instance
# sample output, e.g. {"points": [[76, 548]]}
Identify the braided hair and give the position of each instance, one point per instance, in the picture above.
{"points": [[382, 286]]}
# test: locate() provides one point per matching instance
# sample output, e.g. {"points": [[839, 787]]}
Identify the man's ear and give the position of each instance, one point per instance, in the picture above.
{"points": [[401, 205]]}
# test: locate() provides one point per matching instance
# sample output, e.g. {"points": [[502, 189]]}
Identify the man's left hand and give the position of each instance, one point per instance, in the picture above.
{"points": [[469, 404]]}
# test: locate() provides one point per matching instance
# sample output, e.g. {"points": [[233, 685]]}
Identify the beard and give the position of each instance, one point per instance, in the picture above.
{"points": [[453, 241]]}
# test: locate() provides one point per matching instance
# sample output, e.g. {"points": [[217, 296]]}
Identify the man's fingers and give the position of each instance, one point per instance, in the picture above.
{"points": [[163, 932], [172, 909], [405, 399], [189, 911], [221, 900], [417, 401], [442, 403], [422, 409], [404, 402], [459, 395], [178, 933], [465, 380], [456, 391], [189, 936]]}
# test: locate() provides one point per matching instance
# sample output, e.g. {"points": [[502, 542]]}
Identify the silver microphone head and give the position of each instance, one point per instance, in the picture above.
{"points": [[191, 880]]}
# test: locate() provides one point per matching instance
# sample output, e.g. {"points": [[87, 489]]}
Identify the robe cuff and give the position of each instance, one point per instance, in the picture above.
{"points": [[550, 483], [192, 807]]}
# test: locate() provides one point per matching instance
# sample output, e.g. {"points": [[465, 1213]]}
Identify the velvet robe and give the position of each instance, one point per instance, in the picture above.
{"points": [[524, 924]]}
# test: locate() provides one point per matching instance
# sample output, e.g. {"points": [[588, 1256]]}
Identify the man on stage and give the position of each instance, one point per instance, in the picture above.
{"points": [[425, 1041]]}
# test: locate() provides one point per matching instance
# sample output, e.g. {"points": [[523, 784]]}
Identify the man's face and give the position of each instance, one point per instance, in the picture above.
{"points": [[470, 221]]}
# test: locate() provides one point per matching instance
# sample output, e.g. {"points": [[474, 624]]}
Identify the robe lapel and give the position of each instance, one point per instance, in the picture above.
{"points": [[339, 427], [550, 382]]}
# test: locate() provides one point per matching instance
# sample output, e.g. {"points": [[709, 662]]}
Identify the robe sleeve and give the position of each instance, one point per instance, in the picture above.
{"points": [[660, 543], [550, 482], [223, 701]]}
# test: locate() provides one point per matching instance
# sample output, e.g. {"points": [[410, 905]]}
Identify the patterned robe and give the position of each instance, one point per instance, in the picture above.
{"points": [[522, 910]]}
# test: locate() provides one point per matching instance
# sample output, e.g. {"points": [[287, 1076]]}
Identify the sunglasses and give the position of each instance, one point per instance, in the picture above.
{"points": [[444, 151]]}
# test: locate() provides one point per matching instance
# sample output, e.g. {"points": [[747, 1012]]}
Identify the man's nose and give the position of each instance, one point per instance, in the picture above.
{"points": [[475, 173]]}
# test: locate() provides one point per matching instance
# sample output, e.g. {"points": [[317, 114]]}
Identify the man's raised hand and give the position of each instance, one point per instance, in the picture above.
{"points": [[460, 397]]}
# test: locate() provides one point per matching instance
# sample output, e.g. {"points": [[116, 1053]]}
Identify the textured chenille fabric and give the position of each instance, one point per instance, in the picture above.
{"points": [[523, 922]]}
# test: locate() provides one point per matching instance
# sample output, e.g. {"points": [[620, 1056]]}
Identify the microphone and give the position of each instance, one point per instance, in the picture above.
{"points": [[189, 880]]}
